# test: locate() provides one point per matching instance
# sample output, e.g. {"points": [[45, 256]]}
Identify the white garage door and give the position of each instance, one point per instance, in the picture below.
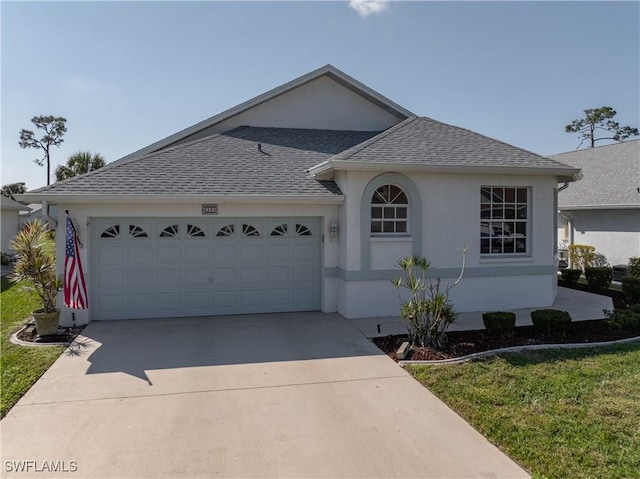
{"points": [[149, 268]]}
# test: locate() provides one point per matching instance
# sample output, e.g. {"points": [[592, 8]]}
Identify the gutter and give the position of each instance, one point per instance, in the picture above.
{"points": [[182, 199], [45, 214]]}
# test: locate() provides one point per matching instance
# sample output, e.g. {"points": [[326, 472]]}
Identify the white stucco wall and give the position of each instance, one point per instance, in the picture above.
{"points": [[614, 233], [10, 225], [450, 221], [81, 215], [319, 104]]}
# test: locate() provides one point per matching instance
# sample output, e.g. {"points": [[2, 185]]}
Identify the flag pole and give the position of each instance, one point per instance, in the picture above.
{"points": [[75, 231]]}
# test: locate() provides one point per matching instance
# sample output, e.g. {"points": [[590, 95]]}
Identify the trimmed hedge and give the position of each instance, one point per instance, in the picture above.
{"points": [[631, 288], [599, 278], [624, 318], [570, 276], [499, 323], [551, 322], [634, 266]]}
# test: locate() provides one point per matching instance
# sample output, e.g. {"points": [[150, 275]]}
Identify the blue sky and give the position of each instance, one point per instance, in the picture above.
{"points": [[127, 74]]}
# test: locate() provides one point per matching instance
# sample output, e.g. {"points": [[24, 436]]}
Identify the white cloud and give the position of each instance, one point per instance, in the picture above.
{"points": [[367, 7]]}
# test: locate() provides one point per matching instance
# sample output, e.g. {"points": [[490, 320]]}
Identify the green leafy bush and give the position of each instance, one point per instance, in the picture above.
{"points": [[581, 255], [634, 266], [631, 288], [570, 275], [623, 318], [551, 322], [599, 278], [499, 323]]}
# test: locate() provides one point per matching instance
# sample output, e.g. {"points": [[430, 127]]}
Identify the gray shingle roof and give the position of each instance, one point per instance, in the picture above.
{"points": [[11, 204], [224, 164], [611, 176], [423, 141]]}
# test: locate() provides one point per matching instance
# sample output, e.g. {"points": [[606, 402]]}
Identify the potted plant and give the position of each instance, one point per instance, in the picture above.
{"points": [[35, 267]]}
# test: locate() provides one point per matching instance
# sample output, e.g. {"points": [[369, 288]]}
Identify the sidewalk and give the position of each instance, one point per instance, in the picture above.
{"points": [[580, 305]]}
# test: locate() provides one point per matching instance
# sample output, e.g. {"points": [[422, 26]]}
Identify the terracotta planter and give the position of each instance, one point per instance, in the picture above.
{"points": [[46, 323]]}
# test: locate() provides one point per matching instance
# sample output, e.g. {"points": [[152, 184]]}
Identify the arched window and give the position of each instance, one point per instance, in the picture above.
{"points": [[389, 211]]}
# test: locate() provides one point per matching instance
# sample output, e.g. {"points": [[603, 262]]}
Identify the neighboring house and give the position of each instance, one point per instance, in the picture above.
{"points": [[10, 221], [304, 198], [36, 213], [603, 210]]}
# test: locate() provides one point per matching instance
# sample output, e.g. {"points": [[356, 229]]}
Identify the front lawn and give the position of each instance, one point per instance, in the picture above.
{"points": [[559, 413], [20, 367]]}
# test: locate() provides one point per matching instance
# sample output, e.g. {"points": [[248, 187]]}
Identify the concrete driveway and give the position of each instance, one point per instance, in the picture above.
{"points": [[293, 395]]}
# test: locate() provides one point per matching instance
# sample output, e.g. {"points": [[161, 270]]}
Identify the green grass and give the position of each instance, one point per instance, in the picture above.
{"points": [[20, 367], [558, 413]]}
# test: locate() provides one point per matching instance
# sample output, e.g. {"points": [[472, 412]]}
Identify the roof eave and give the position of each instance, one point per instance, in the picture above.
{"points": [[599, 207], [326, 169], [71, 198]]}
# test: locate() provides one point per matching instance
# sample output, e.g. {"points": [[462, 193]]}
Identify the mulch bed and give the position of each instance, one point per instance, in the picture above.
{"points": [[65, 335], [462, 343]]}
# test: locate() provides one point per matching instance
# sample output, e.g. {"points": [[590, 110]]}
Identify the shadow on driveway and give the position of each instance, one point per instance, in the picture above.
{"points": [[137, 346]]}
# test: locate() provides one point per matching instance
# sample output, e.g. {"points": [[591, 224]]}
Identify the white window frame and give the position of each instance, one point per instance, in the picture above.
{"points": [[389, 210], [505, 235]]}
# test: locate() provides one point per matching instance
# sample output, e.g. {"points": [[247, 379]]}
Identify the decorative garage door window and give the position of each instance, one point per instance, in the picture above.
{"points": [[302, 230], [250, 231], [504, 218], [170, 232], [111, 232], [195, 231], [389, 211], [226, 231], [280, 230], [137, 232]]}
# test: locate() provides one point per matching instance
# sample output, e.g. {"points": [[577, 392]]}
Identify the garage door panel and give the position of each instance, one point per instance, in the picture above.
{"points": [[305, 296], [225, 276], [251, 274], [109, 255], [109, 280], [169, 254], [169, 301], [225, 299], [279, 297], [279, 253], [277, 274], [140, 279], [304, 273], [197, 299], [304, 252], [252, 297], [139, 254], [251, 253], [196, 253], [109, 302], [168, 278], [139, 301], [197, 277], [183, 268], [225, 253]]}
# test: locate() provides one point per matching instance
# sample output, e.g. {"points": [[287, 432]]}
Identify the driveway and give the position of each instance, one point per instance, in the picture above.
{"points": [[290, 395]]}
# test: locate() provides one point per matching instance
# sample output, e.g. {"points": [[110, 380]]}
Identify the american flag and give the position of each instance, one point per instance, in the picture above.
{"points": [[75, 289]]}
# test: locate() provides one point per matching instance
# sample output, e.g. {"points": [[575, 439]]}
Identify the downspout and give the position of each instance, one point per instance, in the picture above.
{"points": [[563, 187], [45, 214]]}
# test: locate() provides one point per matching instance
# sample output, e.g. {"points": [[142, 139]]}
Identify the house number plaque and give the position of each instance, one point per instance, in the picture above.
{"points": [[209, 209]]}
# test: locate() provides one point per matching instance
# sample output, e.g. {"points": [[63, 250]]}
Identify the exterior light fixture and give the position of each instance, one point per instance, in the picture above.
{"points": [[333, 230]]}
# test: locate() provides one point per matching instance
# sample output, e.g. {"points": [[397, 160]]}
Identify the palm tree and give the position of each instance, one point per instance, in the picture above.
{"points": [[78, 164]]}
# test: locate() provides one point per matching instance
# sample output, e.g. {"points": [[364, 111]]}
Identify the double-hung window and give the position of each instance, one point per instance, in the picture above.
{"points": [[504, 220]]}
